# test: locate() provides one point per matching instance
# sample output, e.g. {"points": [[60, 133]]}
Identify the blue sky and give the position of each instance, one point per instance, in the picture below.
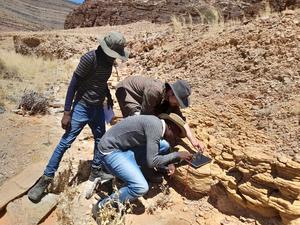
{"points": [[77, 1]]}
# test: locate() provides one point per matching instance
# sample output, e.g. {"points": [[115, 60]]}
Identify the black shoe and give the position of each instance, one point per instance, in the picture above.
{"points": [[35, 194], [156, 179], [100, 173], [152, 175]]}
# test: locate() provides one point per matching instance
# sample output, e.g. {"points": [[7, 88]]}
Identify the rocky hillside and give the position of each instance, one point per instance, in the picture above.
{"points": [[103, 12], [245, 79], [33, 15]]}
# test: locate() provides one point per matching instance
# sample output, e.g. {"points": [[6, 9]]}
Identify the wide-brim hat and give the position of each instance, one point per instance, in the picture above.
{"points": [[175, 119], [182, 91], [113, 45]]}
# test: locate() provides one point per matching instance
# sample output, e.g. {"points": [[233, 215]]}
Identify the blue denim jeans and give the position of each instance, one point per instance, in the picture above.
{"points": [[123, 164], [82, 114]]}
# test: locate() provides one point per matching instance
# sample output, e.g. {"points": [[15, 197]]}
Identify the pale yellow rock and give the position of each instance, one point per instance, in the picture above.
{"points": [[227, 156], [264, 179], [256, 192], [199, 180], [243, 170], [289, 171], [289, 189], [224, 163], [238, 155], [283, 205]]}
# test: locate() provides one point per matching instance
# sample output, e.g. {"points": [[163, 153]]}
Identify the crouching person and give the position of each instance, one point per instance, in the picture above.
{"points": [[118, 158]]}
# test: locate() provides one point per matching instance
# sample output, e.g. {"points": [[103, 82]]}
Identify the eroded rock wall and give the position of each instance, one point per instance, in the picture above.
{"points": [[100, 13]]}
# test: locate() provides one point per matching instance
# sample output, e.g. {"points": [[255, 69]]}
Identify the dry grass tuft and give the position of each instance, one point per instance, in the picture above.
{"points": [[163, 202], [209, 14], [68, 193], [113, 212], [8, 73], [64, 208], [33, 103], [177, 24], [17, 71], [266, 11]]}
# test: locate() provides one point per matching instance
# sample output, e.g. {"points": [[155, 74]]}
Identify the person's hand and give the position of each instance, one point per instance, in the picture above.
{"points": [[110, 103], [171, 169], [184, 155], [66, 120], [198, 145]]}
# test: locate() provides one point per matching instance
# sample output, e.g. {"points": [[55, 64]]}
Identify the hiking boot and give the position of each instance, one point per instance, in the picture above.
{"points": [[97, 176], [35, 194], [152, 175], [100, 173], [155, 178]]}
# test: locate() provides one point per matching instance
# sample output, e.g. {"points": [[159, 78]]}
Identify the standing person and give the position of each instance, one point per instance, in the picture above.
{"points": [[144, 131], [88, 88], [143, 95]]}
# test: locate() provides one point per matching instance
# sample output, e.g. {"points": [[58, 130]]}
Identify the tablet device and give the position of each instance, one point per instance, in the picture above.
{"points": [[199, 160]]}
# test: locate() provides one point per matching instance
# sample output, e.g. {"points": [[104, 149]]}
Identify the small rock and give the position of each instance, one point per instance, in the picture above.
{"points": [[200, 214], [289, 12], [297, 158], [185, 209], [2, 109], [247, 220], [199, 221], [224, 221], [282, 158]]}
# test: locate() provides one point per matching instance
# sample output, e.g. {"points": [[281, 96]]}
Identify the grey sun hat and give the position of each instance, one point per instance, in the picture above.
{"points": [[113, 45], [182, 91]]}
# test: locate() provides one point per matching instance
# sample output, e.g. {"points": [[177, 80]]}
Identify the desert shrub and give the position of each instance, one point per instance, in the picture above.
{"points": [[8, 73], [33, 103]]}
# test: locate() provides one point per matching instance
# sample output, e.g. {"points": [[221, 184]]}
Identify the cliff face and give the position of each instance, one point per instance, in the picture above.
{"points": [[16, 15], [99, 13]]}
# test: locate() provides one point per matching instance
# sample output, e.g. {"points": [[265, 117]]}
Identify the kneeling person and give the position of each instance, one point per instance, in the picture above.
{"points": [[132, 132]]}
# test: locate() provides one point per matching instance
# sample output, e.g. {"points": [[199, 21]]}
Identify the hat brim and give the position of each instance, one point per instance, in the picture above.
{"points": [[123, 56], [177, 120], [182, 103]]}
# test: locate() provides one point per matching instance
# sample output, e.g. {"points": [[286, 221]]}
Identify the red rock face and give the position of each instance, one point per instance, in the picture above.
{"points": [[99, 13]]}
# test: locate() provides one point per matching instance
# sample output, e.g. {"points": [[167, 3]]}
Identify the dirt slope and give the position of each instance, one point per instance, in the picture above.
{"points": [[33, 14]]}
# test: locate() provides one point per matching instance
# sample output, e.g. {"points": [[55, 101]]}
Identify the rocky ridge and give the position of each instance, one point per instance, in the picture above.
{"points": [[99, 13], [34, 15]]}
